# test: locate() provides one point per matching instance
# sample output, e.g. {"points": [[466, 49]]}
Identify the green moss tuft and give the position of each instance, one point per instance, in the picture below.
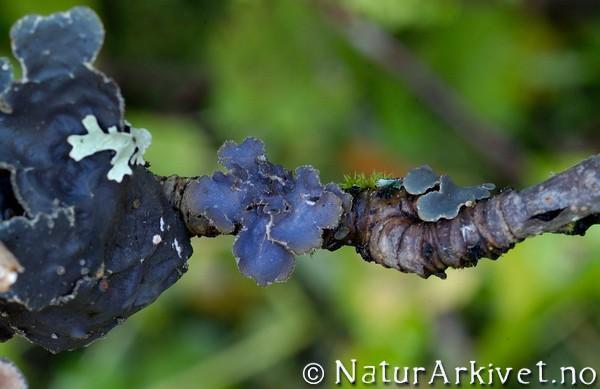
{"points": [[363, 181]]}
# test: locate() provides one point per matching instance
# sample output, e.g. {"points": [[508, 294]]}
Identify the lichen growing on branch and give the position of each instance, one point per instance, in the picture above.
{"points": [[88, 235], [275, 213]]}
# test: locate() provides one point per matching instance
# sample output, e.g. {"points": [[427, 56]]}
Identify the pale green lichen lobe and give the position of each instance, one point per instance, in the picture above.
{"points": [[129, 147]]}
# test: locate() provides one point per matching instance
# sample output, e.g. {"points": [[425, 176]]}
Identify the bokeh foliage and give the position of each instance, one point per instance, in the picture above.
{"points": [[199, 72]]}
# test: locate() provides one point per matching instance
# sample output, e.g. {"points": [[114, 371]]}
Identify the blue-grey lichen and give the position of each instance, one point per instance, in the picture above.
{"points": [[86, 244], [419, 180], [447, 201], [258, 256], [437, 197], [277, 214], [308, 209], [6, 75]]}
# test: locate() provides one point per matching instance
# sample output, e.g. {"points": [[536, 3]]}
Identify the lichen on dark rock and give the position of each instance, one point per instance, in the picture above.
{"points": [[87, 253], [278, 214]]}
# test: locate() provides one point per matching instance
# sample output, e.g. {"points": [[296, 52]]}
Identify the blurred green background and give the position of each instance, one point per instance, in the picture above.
{"points": [[199, 72]]}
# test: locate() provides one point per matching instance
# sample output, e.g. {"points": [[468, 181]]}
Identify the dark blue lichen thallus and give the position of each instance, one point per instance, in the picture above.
{"points": [[6, 75], [246, 156], [223, 197], [92, 251], [257, 256], [278, 214], [57, 44], [312, 208]]}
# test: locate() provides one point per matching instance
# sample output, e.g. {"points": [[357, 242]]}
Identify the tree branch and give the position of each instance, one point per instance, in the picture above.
{"points": [[387, 230], [384, 227]]}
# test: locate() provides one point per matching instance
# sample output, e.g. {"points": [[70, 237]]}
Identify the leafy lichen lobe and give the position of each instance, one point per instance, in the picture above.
{"points": [[437, 197], [275, 213], [129, 147], [446, 202]]}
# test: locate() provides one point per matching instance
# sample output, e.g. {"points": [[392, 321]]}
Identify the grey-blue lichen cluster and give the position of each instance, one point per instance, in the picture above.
{"points": [[439, 198], [79, 252], [5, 75], [276, 214]]}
